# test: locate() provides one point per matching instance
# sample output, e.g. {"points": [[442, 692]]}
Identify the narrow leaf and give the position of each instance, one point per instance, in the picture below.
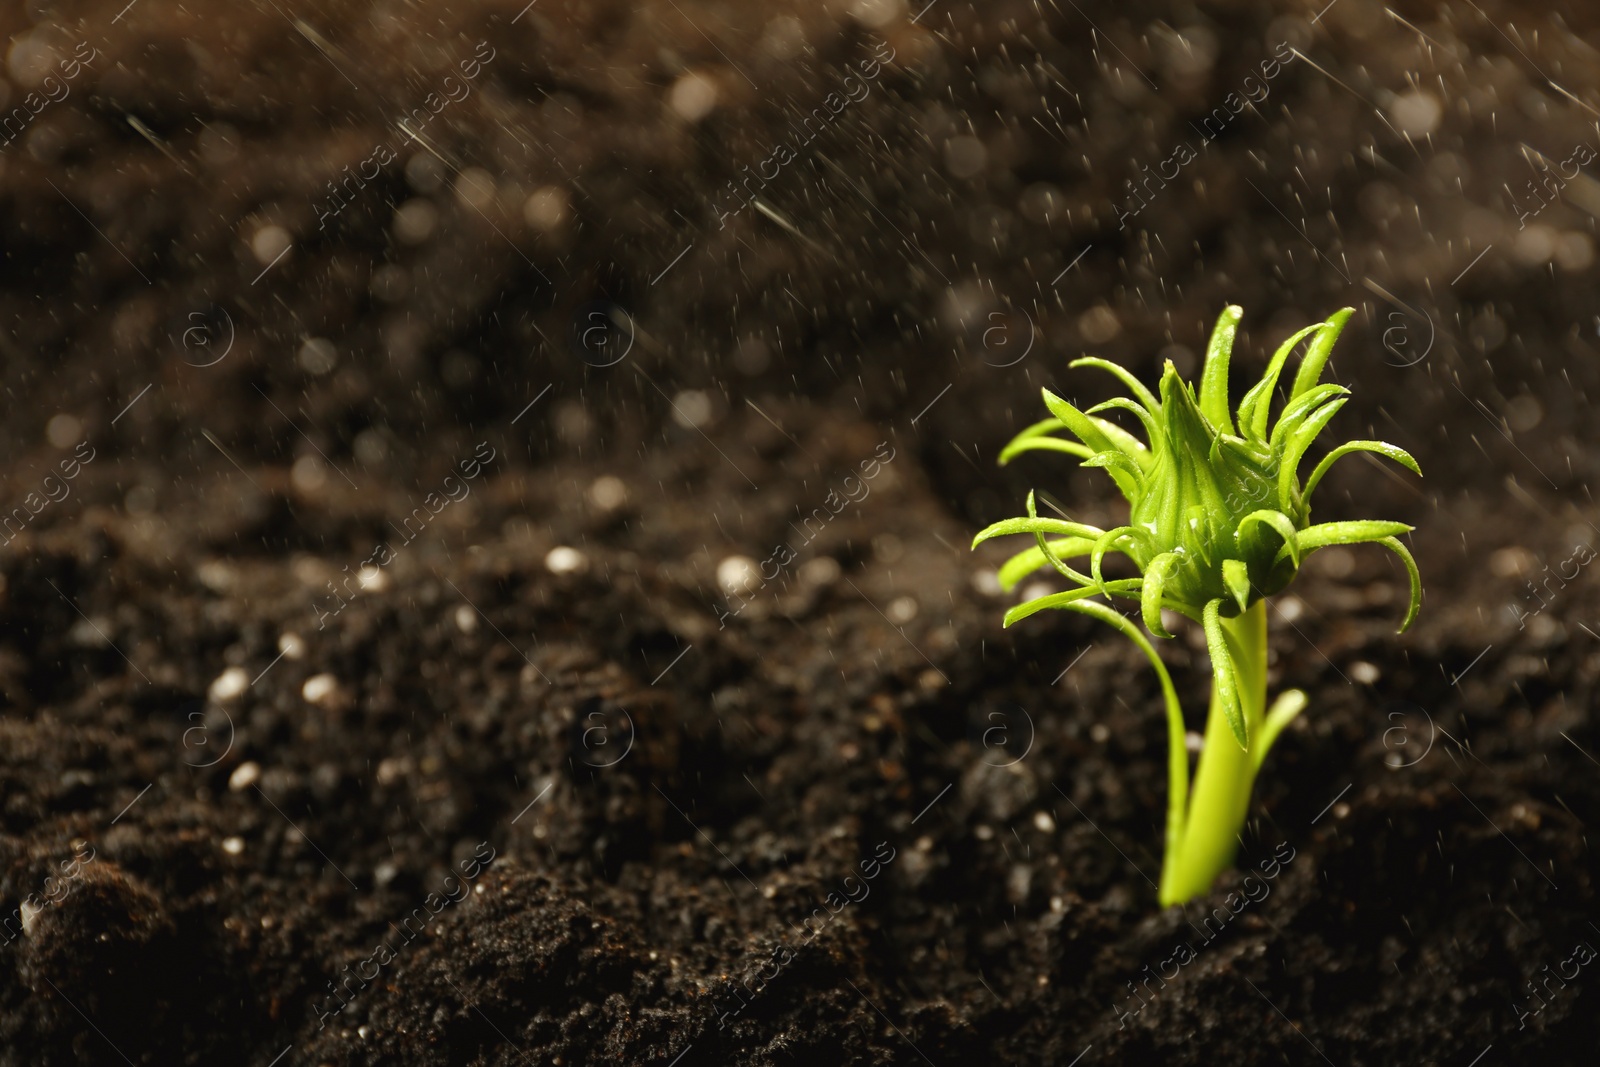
{"points": [[1394, 545], [1023, 525], [1236, 576], [1106, 543], [1278, 521], [1299, 442], [1076, 421], [1146, 397], [1399, 455], [1155, 582], [1119, 461], [1284, 711], [1227, 690], [1060, 600], [1177, 754], [1042, 443], [1214, 376], [1030, 560], [1319, 350], [1354, 532], [1044, 547], [1098, 437], [1256, 406], [1298, 410], [1152, 423]]}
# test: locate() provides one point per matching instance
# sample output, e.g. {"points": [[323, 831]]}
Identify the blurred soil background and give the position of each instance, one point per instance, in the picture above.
{"points": [[402, 405]]}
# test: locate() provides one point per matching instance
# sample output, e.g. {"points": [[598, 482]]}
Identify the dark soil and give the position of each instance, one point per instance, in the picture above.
{"points": [[540, 790]]}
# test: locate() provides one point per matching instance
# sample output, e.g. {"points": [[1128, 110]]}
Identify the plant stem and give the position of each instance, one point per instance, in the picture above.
{"points": [[1223, 781]]}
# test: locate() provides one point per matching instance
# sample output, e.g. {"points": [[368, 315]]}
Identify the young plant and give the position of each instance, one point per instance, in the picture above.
{"points": [[1219, 521]]}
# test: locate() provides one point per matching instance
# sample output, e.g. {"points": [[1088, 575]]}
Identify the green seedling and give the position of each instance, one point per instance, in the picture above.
{"points": [[1218, 522]]}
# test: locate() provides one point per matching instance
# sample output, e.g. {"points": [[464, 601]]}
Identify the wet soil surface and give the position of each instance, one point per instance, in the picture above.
{"points": [[443, 627]]}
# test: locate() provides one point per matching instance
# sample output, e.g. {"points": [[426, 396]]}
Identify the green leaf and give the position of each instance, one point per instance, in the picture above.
{"points": [[1059, 600], [1026, 525], [1295, 450], [1044, 547], [1399, 455], [1042, 444], [1236, 576], [1223, 676], [1214, 376], [1105, 543], [1298, 410], [1120, 461], [1354, 532], [1279, 522], [1155, 581], [1076, 421], [1146, 397], [1256, 406], [1152, 423], [1040, 432], [1318, 352], [1284, 711], [1177, 754], [1368, 531], [1394, 545], [1098, 437], [1030, 560]]}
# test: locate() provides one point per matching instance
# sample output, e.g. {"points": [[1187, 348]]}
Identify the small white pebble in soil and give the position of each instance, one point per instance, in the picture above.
{"points": [[876, 14], [372, 579], [233, 845], [546, 208], [269, 242], [691, 409], [475, 188], [292, 645], [1099, 733], [1099, 324], [1416, 113], [692, 97], [466, 619], [391, 770], [607, 493], [564, 560], [737, 574], [902, 610], [63, 431], [982, 832], [216, 575], [1513, 561], [1193, 741], [317, 356], [244, 776], [819, 572], [987, 583], [308, 474], [1290, 608], [319, 688], [1341, 810], [1363, 673], [1035, 590], [1043, 822], [229, 684]]}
